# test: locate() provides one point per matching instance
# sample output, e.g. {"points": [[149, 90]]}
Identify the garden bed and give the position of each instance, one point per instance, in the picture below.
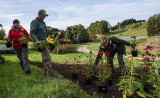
{"points": [[63, 69]]}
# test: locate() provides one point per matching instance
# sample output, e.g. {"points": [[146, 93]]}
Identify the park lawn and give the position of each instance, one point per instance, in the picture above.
{"points": [[15, 84], [59, 58]]}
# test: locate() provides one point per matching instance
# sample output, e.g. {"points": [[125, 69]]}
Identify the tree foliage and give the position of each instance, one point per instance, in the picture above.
{"points": [[98, 27], [77, 34], [2, 32], [126, 22], [153, 25]]}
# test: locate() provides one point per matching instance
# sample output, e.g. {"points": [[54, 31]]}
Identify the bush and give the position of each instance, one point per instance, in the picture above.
{"points": [[67, 48]]}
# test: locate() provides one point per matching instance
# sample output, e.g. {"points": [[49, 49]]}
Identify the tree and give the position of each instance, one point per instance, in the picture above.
{"points": [[2, 32], [153, 25], [77, 34], [98, 27]]}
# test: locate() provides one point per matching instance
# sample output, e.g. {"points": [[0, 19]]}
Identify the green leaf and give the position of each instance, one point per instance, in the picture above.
{"points": [[141, 94]]}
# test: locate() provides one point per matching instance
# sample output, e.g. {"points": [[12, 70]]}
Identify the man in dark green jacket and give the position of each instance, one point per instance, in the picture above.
{"points": [[110, 46], [39, 32]]}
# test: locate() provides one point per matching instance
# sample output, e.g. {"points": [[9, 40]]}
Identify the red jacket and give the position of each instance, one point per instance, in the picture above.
{"points": [[15, 35]]}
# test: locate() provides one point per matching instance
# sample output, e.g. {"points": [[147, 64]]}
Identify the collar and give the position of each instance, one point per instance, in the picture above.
{"points": [[17, 28], [39, 19]]}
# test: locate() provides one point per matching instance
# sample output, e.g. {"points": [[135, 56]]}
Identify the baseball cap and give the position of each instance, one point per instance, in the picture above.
{"points": [[42, 11]]}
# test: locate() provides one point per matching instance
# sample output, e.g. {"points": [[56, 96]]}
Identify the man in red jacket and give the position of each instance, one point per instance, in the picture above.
{"points": [[16, 33]]}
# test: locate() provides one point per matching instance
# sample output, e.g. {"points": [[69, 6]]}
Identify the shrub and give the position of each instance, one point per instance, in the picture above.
{"points": [[67, 48], [2, 34]]}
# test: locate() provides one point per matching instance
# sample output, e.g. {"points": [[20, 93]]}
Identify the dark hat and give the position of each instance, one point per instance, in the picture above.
{"points": [[15, 21], [42, 11]]}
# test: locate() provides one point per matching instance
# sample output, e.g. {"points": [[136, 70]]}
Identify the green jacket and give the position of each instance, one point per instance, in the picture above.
{"points": [[116, 45], [38, 30]]}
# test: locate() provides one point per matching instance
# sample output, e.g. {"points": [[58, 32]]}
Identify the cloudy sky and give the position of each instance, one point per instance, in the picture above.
{"points": [[63, 13]]}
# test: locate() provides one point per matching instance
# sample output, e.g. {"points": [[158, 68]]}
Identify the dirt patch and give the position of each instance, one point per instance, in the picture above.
{"points": [[63, 69]]}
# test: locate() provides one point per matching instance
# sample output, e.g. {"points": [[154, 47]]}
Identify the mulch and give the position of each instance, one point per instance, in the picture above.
{"points": [[63, 69]]}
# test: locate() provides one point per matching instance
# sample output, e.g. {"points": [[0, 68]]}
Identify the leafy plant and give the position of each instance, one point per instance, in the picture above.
{"points": [[128, 83], [63, 49], [23, 39], [148, 56], [88, 72], [104, 73], [134, 43], [74, 68], [42, 44]]}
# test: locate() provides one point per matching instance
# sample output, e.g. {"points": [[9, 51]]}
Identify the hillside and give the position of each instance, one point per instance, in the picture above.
{"points": [[129, 31]]}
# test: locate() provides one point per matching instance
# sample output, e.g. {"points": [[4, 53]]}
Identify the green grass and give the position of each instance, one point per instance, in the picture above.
{"points": [[128, 31], [36, 56], [15, 84], [2, 42]]}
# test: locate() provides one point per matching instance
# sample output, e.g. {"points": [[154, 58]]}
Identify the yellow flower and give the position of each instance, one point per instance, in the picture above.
{"points": [[131, 59], [59, 33], [50, 40]]}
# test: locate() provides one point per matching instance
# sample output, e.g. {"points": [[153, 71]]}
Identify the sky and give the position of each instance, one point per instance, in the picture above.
{"points": [[64, 13]]}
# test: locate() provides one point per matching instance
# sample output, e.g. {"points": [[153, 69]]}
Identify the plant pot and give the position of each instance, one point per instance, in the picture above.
{"points": [[109, 82], [74, 76], [102, 89], [88, 81], [40, 49], [51, 46], [9, 44], [130, 97], [25, 45], [134, 53], [146, 87]]}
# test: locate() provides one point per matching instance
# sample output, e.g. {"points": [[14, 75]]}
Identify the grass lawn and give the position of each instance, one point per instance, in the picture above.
{"points": [[15, 84], [128, 31]]}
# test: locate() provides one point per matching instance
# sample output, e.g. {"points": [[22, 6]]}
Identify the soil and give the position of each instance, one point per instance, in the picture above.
{"points": [[63, 69]]}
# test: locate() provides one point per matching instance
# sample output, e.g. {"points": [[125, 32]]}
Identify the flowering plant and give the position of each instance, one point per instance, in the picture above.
{"points": [[148, 56]]}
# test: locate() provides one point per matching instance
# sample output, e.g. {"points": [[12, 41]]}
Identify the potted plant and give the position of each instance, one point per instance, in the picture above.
{"points": [[134, 50], [41, 45], [129, 84], [23, 41], [103, 76], [88, 72]]}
